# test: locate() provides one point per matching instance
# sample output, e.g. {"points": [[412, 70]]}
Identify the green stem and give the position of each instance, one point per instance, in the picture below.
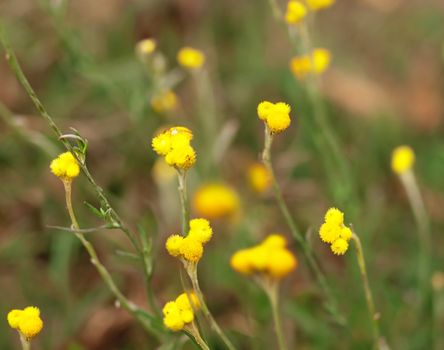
{"points": [[272, 290], [308, 253], [26, 344], [276, 10], [191, 269], [374, 316], [101, 269], [185, 218], [192, 331]]}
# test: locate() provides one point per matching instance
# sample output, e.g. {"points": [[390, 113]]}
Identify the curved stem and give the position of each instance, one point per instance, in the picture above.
{"points": [[374, 316], [312, 263], [192, 331], [192, 273], [272, 291], [183, 201], [101, 269]]}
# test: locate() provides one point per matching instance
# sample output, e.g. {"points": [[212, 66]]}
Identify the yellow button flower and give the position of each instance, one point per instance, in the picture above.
{"points": [[339, 247], [146, 47], [316, 63], [275, 115], [179, 313], [316, 5], [173, 245], [200, 230], [190, 58], [403, 159], [65, 166], [165, 101], [334, 232], [259, 178], [215, 201], [191, 249], [27, 321], [296, 12]]}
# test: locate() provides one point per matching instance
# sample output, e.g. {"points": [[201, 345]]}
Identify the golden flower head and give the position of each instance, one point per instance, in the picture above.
{"points": [[316, 63], [316, 5], [275, 115], [174, 145], [190, 58], [26, 321], [180, 312], [270, 258], [146, 47], [334, 232], [403, 159], [200, 230], [259, 177], [215, 201], [65, 166], [165, 101], [296, 12]]}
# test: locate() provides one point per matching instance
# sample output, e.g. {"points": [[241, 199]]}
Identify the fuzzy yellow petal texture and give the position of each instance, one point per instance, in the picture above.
{"points": [[65, 166], [179, 312], [190, 58], [334, 232], [269, 258], [174, 145], [321, 60], [258, 177], [316, 5], [200, 230], [173, 245], [403, 159], [275, 115], [26, 321], [165, 101], [191, 249], [215, 201], [172, 317], [183, 301], [296, 12], [315, 63]]}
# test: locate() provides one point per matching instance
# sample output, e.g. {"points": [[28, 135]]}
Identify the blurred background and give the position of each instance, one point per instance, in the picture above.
{"points": [[385, 87]]}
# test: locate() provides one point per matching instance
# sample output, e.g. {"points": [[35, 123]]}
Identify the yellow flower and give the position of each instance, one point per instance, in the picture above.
{"points": [[200, 230], [27, 321], [191, 249], [403, 159], [296, 12], [269, 259], [316, 5], [275, 115], [178, 313], [316, 63], [65, 166], [339, 247], [173, 245], [183, 301], [190, 58], [165, 101], [216, 200], [146, 47], [334, 232], [172, 317], [258, 177], [174, 145]]}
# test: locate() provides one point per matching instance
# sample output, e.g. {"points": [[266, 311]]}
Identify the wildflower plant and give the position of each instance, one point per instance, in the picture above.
{"points": [[27, 322]]}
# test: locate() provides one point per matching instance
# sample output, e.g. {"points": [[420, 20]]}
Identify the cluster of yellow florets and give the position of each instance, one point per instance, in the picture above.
{"points": [[315, 63], [296, 12], [165, 101], [180, 312], [316, 5], [270, 258], [275, 115], [190, 58], [26, 321], [190, 247], [65, 166], [334, 232], [403, 159], [259, 177], [174, 145], [216, 200]]}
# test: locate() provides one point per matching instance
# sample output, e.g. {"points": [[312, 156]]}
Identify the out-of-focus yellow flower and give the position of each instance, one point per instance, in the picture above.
{"points": [[403, 159], [316, 63], [216, 200], [165, 101], [316, 5], [258, 177], [275, 115], [26, 321], [146, 47], [65, 166], [270, 259], [190, 248], [334, 232], [296, 12], [190, 58], [180, 312], [174, 145]]}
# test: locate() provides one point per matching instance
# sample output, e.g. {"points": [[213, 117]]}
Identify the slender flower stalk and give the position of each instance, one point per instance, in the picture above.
{"points": [[26, 345], [312, 262], [194, 334], [182, 188], [373, 315]]}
